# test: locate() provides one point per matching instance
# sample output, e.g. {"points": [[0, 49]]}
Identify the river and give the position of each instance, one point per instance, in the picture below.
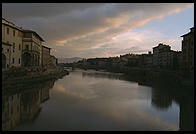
{"points": [[93, 100]]}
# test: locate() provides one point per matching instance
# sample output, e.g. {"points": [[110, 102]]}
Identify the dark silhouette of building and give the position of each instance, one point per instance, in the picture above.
{"points": [[188, 51], [164, 57]]}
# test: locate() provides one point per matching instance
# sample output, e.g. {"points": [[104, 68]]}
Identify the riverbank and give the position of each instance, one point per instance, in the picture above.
{"points": [[165, 78], [21, 77], [153, 77]]}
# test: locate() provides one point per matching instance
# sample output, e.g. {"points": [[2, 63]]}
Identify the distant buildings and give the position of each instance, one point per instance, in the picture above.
{"points": [[188, 50], [146, 60], [164, 57], [131, 59], [22, 48]]}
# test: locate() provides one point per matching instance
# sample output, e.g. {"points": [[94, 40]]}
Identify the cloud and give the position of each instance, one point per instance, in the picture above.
{"points": [[133, 41], [75, 29], [17, 11]]}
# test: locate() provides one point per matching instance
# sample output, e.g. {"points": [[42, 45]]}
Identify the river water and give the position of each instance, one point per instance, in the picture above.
{"points": [[93, 100]]}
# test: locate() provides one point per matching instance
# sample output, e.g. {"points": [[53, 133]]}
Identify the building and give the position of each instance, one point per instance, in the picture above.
{"points": [[146, 60], [188, 51], [164, 57], [133, 60], [32, 49], [179, 62], [53, 60], [20, 47], [45, 55], [159, 54], [12, 36]]}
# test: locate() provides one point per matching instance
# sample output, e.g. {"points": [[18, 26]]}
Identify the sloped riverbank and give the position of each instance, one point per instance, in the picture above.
{"points": [[21, 77]]}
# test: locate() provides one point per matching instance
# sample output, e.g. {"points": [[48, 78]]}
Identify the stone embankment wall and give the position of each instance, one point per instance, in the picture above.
{"points": [[21, 77]]}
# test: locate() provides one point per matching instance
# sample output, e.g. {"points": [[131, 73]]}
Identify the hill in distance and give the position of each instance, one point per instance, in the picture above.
{"points": [[69, 60]]}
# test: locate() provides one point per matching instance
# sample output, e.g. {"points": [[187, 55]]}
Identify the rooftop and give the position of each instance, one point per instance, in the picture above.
{"points": [[161, 44], [31, 31], [8, 23], [46, 47], [192, 30]]}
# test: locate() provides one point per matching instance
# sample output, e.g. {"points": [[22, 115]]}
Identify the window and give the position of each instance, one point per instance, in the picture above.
{"points": [[8, 50], [13, 60], [13, 47], [7, 30], [19, 60], [13, 32], [19, 46]]}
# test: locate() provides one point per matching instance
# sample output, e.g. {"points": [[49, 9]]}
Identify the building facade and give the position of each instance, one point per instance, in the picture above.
{"points": [[188, 51], [45, 56], [32, 49], [53, 60], [160, 53], [12, 36], [20, 47], [146, 60], [179, 63], [164, 57]]}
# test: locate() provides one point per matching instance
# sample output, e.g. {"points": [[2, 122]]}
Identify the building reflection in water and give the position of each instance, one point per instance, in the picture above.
{"points": [[162, 99], [23, 105]]}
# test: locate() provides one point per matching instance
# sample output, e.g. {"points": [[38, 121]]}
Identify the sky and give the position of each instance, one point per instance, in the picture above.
{"points": [[90, 30]]}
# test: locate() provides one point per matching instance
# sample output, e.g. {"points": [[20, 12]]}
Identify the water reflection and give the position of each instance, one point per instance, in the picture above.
{"points": [[23, 105], [97, 74], [163, 97], [92, 100]]}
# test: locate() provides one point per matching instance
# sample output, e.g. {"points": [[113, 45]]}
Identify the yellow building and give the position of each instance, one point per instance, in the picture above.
{"points": [[23, 48], [11, 44], [32, 48], [45, 55]]}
